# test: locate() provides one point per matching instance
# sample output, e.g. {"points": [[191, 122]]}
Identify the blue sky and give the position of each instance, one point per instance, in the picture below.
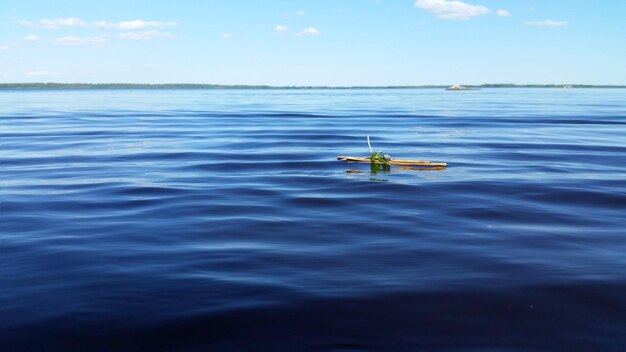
{"points": [[314, 42]]}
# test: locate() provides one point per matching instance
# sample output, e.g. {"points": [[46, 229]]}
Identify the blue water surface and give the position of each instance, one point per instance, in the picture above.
{"points": [[221, 220]]}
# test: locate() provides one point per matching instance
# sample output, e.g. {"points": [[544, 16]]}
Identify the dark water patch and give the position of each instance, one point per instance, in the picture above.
{"points": [[583, 198], [529, 318]]}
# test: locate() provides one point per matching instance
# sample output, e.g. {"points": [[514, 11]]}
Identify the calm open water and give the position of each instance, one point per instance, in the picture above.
{"points": [[221, 220]]}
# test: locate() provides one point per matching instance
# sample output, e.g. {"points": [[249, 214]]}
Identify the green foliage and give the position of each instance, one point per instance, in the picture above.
{"points": [[377, 157], [379, 163]]}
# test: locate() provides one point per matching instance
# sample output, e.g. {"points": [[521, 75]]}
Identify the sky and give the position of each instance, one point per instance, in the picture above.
{"points": [[314, 42]]}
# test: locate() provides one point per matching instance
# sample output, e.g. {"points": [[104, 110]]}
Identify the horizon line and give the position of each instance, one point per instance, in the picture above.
{"points": [[79, 85]]}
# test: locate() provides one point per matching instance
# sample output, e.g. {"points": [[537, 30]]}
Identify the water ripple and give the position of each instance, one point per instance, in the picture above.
{"points": [[195, 220]]}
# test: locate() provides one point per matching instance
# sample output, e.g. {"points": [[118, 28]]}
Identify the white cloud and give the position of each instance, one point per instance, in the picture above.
{"points": [[548, 23], [37, 73], [309, 31], [62, 22], [3, 48], [300, 13], [451, 9], [77, 22], [71, 40], [281, 29], [136, 24], [31, 38], [226, 35], [54, 23], [503, 13], [146, 35]]}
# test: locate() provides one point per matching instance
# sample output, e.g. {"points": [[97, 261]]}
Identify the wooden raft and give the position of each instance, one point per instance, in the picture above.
{"points": [[399, 162]]}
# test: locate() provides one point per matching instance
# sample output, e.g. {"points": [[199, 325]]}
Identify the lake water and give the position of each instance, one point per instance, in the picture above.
{"points": [[221, 220]]}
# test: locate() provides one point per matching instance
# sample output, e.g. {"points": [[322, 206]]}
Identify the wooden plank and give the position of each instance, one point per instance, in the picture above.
{"points": [[401, 162], [401, 168]]}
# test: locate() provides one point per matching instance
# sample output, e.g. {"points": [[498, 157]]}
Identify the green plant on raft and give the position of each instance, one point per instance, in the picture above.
{"points": [[379, 158], [379, 162]]}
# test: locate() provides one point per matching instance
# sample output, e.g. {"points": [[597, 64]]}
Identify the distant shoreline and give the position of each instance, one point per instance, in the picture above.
{"points": [[219, 86]]}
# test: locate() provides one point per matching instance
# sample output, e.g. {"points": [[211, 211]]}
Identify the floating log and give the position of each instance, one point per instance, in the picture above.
{"points": [[399, 162], [401, 168]]}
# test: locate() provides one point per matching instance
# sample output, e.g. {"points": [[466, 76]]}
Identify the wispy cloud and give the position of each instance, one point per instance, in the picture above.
{"points": [[452, 9], [31, 38], [548, 23], [3, 48], [296, 14], [77, 22], [38, 73], [226, 35], [280, 29], [503, 13], [309, 32], [55, 23], [147, 35], [62, 22], [26, 23], [71, 40], [136, 24], [157, 65]]}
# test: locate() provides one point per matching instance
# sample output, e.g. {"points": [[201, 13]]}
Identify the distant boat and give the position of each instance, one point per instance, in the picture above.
{"points": [[459, 87], [568, 86]]}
